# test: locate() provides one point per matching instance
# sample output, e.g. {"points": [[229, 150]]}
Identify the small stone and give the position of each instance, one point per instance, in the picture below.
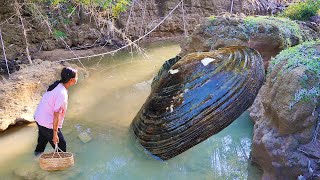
{"points": [[261, 29], [85, 137]]}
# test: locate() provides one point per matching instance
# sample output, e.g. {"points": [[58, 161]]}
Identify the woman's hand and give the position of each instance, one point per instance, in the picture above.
{"points": [[55, 138]]}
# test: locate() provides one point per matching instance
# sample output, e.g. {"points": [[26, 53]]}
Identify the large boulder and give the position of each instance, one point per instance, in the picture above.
{"points": [[286, 113], [268, 35]]}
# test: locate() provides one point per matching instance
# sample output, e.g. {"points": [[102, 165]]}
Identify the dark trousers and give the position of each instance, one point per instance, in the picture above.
{"points": [[45, 135]]}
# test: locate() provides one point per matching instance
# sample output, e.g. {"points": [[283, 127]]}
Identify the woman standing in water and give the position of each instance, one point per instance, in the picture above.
{"points": [[51, 111]]}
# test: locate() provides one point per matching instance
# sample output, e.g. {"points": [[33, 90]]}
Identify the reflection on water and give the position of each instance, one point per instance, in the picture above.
{"points": [[101, 109]]}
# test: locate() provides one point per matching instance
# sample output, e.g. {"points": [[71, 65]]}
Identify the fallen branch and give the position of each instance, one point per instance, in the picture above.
{"points": [[17, 7], [4, 53]]}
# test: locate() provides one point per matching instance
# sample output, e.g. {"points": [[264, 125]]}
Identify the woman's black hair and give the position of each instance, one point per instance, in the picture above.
{"points": [[67, 73]]}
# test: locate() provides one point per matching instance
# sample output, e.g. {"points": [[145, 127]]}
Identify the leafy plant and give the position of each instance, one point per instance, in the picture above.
{"points": [[302, 10]]}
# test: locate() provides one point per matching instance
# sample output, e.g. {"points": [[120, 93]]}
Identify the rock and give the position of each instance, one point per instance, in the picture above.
{"points": [[268, 35], [315, 19], [285, 114], [9, 64], [37, 61], [85, 137]]}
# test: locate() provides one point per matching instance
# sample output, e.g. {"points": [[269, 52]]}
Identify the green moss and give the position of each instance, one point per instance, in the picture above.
{"points": [[285, 26], [305, 55], [302, 55]]}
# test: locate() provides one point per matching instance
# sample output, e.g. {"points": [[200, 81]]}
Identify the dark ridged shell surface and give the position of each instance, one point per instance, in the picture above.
{"points": [[199, 95]]}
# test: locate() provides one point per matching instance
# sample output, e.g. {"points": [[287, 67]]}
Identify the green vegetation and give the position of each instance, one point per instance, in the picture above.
{"points": [[305, 55], [285, 26], [302, 10], [302, 55], [211, 18], [59, 34], [64, 12], [113, 7]]}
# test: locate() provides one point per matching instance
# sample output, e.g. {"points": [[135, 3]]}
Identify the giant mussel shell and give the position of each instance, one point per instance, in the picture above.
{"points": [[196, 97]]}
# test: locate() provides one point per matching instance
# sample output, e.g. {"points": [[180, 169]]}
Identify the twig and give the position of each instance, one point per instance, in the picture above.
{"points": [[129, 17], [17, 7], [77, 57], [315, 135], [114, 51], [74, 8], [4, 53], [45, 19], [143, 18], [5, 21], [231, 8], [124, 37], [184, 20], [308, 154]]}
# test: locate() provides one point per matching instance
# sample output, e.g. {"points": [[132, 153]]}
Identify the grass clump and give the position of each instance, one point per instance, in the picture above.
{"points": [[302, 10], [57, 34]]}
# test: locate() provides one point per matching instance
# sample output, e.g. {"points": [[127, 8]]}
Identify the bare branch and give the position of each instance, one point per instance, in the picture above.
{"points": [[5, 21], [73, 52], [184, 19], [114, 51], [4, 53], [129, 17], [231, 7], [17, 7]]}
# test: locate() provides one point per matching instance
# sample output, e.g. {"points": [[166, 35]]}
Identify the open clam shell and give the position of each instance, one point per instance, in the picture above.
{"points": [[196, 97]]}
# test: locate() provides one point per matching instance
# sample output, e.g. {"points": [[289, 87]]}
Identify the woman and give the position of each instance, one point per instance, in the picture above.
{"points": [[51, 111]]}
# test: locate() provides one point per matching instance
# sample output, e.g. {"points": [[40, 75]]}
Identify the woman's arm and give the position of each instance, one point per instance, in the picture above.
{"points": [[56, 119]]}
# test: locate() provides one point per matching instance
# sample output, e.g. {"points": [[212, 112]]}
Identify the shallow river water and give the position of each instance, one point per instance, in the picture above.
{"points": [[102, 107]]}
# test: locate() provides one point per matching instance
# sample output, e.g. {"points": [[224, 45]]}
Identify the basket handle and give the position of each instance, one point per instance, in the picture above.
{"points": [[56, 150]]}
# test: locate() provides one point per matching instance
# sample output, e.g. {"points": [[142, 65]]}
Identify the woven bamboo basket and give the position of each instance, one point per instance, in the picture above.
{"points": [[55, 161]]}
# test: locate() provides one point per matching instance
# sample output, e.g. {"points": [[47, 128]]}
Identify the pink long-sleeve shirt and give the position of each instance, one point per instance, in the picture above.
{"points": [[52, 101]]}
